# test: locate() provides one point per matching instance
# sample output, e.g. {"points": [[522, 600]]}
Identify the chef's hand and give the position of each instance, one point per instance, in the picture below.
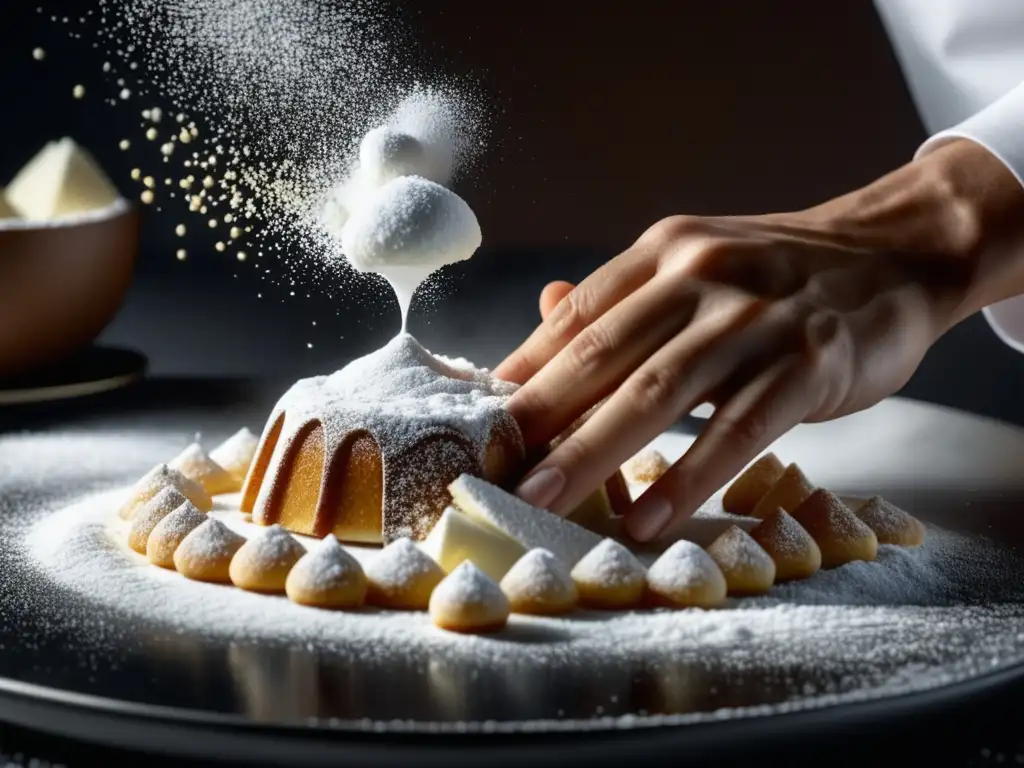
{"points": [[775, 320]]}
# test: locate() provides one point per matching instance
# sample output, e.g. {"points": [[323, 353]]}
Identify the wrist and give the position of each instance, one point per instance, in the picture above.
{"points": [[957, 207]]}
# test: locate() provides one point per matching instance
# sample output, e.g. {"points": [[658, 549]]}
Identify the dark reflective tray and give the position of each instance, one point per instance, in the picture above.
{"points": [[80, 670]]}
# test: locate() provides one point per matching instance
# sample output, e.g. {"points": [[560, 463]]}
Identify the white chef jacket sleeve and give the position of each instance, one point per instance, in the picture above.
{"points": [[964, 64]]}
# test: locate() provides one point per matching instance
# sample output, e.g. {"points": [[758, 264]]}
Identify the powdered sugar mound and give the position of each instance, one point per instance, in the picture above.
{"points": [[209, 541], [681, 566], [237, 451], [539, 576], [275, 547], [325, 565], [410, 222], [736, 549], [400, 564], [467, 588], [609, 564]]}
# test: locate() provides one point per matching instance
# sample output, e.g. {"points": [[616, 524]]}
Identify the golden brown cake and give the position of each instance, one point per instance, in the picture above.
{"points": [[367, 453]]}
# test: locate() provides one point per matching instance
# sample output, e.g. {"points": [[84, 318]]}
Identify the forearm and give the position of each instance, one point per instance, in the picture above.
{"points": [[958, 203]]}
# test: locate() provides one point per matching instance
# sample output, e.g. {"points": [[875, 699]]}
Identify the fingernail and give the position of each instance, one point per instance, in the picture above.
{"points": [[649, 516], [542, 487]]}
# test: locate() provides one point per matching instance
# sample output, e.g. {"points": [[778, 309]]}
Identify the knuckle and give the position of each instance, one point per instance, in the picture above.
{"points": [[568, 317], [669, 230], [591, 349], [652, 388], [748, 430]]}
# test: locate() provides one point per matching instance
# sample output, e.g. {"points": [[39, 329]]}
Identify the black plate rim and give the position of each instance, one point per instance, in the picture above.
{"points": [[173, 731]]}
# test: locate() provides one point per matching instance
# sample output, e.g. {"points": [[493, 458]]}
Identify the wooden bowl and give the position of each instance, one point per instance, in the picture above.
{"points": [[61, 284]]}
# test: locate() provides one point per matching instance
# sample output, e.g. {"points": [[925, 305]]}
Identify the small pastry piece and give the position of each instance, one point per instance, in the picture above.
{"points": [[159, 477], [205, 553], [531, 527], [327, 576], [609, 577], [753, 483], [788, 492], [456, 537], [194, 464], [793, 549], [170, 532], [236, 454], [151, 513], [839, 534], [263, 562], [540, 583], [402, 577], [469, 601], [891, 524], [646, 467], [747, 568], [684, 576]]}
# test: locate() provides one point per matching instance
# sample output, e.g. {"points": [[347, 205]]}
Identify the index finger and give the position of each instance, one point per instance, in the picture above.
{"points": [[599, 292]]}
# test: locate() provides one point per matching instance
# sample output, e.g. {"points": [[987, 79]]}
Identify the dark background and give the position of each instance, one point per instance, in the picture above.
{"points": [[606, 120]]}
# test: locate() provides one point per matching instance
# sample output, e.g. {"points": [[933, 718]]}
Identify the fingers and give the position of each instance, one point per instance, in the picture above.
{"points": [[584, 304], [670, 383], [551, 295], [600, 358], [782, 396]]}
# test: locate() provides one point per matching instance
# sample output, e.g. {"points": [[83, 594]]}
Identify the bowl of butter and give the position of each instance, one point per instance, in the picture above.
{"points": [[68, 244]]}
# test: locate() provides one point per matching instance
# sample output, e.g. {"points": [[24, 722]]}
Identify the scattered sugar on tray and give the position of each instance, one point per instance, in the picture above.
{"points": [[834, 629]]}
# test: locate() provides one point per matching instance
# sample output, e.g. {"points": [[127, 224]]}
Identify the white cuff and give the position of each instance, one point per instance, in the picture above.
{"points": [[1000, 129]]}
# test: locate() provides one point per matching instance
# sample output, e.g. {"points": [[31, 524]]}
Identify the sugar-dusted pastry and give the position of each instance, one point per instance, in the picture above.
{"points": [[367, 452], [540, 583], [402, 577], [236, 454], [747, 568], [891, 524], [788, 492], [263, 562], [468, 600], [754, 482], [793, 549], [195, 464], [205, 553], [646, 467], [327, 576], [158, 478], [531, 527], [841, 536], [458, 537], [151, 513], [610, 577], [684, 576], [170, 532]]}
